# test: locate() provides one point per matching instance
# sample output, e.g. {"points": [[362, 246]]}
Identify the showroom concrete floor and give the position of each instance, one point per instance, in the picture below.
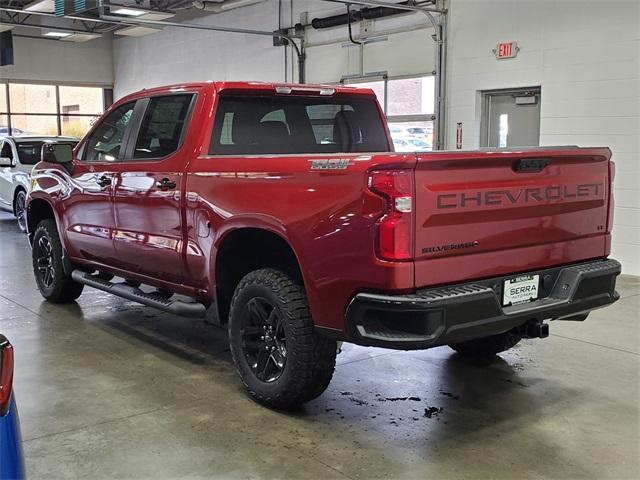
{"points": [[110, 389]]}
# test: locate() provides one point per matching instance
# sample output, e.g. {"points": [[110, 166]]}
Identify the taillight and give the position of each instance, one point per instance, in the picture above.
{"points": [[395, 228], [6, 374], [612, 174]]}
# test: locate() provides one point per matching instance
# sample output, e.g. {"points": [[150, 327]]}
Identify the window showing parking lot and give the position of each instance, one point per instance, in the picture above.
{"points": [[39, 109], [409, 105]]}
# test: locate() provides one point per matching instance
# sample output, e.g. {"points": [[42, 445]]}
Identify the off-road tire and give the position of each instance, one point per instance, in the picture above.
{"points": [[487, 346], [310, 357], [60, 288]]}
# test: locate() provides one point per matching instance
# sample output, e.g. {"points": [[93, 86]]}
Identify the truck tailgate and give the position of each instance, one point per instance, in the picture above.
{"points": [[488, 213]]}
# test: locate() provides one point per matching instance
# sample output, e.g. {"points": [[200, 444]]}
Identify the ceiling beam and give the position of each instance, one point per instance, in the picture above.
{"points": [[53, 15], [45, 27]]}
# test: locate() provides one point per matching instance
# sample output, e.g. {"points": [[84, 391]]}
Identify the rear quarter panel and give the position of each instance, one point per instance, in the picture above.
{"points": [[327, 216]]}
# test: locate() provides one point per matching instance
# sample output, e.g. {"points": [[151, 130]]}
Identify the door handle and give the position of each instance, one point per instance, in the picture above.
{"points": [[166, 184], [104, 181]]}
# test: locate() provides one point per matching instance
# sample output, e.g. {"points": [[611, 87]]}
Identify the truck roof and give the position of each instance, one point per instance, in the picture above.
{"points": [[276, 87]]}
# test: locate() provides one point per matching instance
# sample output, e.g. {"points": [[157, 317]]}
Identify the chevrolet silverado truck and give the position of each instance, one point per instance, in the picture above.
{"points": [[282, 213]]}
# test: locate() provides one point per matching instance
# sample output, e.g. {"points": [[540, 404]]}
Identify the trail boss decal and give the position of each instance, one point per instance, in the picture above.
{"points": [[330, 163], [522, 196]]}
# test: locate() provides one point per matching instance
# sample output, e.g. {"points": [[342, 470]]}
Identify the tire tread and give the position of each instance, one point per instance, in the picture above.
{"points": [[314, 356], [65, 289]]}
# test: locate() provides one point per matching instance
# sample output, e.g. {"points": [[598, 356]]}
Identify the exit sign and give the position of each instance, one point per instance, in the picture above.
{"points": [[506, 50]]}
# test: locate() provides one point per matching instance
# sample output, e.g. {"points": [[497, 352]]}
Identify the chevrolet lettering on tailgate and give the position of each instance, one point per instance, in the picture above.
{"points": [[519, 196]]}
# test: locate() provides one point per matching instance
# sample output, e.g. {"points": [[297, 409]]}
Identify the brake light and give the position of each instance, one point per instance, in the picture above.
{"points": [[395, 227], [6, 374], [612, 174]]}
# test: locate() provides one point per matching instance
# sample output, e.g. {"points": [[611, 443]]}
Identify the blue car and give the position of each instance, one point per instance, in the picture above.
{"points": [[11, 458]]}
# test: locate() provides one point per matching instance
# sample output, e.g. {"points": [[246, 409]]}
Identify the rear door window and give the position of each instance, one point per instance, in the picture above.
{"points": [[162, 126], [289, 125]]}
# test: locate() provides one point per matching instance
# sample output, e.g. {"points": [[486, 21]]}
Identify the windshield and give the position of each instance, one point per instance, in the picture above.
{"points": [[290, 124]]}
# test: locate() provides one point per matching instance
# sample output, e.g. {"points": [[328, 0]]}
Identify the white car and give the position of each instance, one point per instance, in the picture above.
{"points": [[18, 155], [402, 145], [16, 132], [420, 145]]}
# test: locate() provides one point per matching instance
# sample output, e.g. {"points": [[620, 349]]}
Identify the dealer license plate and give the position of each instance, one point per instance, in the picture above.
{"points": [[520, 289]]}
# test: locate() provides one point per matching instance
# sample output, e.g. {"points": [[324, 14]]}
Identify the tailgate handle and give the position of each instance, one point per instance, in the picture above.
{"points": [[531, 164]]}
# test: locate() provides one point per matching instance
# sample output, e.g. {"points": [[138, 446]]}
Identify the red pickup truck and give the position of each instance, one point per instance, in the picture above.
{"points": [[282, 212]]}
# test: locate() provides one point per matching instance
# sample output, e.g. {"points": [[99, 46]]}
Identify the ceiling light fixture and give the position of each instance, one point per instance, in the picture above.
{"points": [[45, 6], [142, 13], [79, 37], [56, 34], [136, 31], [129, 12]]}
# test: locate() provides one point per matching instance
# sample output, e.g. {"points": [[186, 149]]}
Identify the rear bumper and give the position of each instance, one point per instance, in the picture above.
{"points": [[451, 314]]}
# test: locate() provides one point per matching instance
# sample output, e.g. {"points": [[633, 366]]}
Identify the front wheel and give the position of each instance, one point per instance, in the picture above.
{"points": [[21, 198], [54, 284], [282, 361]]}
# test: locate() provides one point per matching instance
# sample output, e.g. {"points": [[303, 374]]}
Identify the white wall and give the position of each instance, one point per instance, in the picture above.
{"points": [[584, 55], [61, 62], [178, 55]]}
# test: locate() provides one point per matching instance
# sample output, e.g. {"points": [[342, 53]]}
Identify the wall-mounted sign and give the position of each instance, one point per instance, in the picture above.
{"points": [[506, 50], [459, 136]]}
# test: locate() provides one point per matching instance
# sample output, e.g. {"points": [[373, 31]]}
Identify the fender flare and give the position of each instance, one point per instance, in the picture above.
{"points": [[259, 222]]}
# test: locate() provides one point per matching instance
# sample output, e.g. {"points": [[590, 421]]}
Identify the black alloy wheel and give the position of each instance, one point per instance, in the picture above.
{"points": [[45, 266], [55, 284], [281, 359], [264, 340], [20, 211]]}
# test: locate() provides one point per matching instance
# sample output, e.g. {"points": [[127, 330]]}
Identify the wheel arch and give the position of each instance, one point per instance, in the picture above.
{"points": [[244, 249], [39, 209]]}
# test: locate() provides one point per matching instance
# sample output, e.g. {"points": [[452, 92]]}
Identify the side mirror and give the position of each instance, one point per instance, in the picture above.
{"points": [[57, 153], [5, 162]]}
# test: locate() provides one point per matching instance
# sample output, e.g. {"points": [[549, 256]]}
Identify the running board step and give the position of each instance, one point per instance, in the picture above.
{"points": [[177, 307]]}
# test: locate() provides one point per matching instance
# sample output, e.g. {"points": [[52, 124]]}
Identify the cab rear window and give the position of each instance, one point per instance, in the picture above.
{"points": [[289, 125]]}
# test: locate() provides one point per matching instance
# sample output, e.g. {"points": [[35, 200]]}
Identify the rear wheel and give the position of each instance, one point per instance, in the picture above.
{"points": [[53, 283], [280, 358], [487, 346], [19, 210]]}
